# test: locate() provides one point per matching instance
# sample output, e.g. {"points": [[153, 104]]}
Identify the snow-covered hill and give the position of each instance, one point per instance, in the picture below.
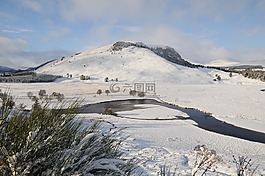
{"points": [[130, 62]]}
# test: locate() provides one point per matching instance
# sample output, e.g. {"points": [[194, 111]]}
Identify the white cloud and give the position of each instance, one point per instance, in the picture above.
{"points": [[12, 54], [33, 5], [15, 30], [10, 45], [211, 9], [6, 16], [256, 30], [90, 10], [131, 29], [250, 55], [20, 59], [57, 33], [190, 47]]}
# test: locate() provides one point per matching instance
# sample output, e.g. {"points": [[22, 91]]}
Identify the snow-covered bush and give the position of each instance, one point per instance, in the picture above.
{"points": [[205, 159], [52, 142]]}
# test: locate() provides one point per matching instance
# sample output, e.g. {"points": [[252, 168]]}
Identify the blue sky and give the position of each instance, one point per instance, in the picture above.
{"points": [[35, 31]]}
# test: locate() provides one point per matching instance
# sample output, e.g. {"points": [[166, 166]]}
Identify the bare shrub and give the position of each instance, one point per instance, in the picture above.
{"points": [[109, 111], [205, 159], [141, 94], [244, 166], [166, 171], [44, 98], [132, 92], [30, 95]]}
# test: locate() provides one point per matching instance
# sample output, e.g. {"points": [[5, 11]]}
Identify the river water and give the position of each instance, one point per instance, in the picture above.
{"points": [[203, 120]]}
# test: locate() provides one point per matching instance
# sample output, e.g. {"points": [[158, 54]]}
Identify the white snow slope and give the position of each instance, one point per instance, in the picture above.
{"points": [[130, 64]]}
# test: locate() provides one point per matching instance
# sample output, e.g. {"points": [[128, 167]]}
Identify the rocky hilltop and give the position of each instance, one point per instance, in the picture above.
{"points": [[165, 52]]}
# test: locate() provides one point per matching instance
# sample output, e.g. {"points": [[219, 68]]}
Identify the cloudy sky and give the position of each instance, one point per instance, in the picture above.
{"points": [[35, 31]]}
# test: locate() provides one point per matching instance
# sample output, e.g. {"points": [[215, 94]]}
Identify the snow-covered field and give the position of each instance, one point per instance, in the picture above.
{"points": [[235, 100], [171, 142]]}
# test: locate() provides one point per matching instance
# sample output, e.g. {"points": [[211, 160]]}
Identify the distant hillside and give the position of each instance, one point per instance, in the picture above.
{"points": [[6, 69], [35, 68]]}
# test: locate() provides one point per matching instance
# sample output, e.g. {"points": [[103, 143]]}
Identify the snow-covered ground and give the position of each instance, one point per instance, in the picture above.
{"points": [[235, 100], [171, 142]]}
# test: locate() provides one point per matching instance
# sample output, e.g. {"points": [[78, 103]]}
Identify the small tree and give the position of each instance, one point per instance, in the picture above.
{"points": [[43, 94], [99, 92], [132, 92], [141, 94], [82, 77], [107, 92], [218, 78], [106, 79], [230, 74]]}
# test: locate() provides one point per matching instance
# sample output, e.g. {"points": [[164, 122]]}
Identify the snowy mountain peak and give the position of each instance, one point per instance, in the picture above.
{"points": [[165, 52]]}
